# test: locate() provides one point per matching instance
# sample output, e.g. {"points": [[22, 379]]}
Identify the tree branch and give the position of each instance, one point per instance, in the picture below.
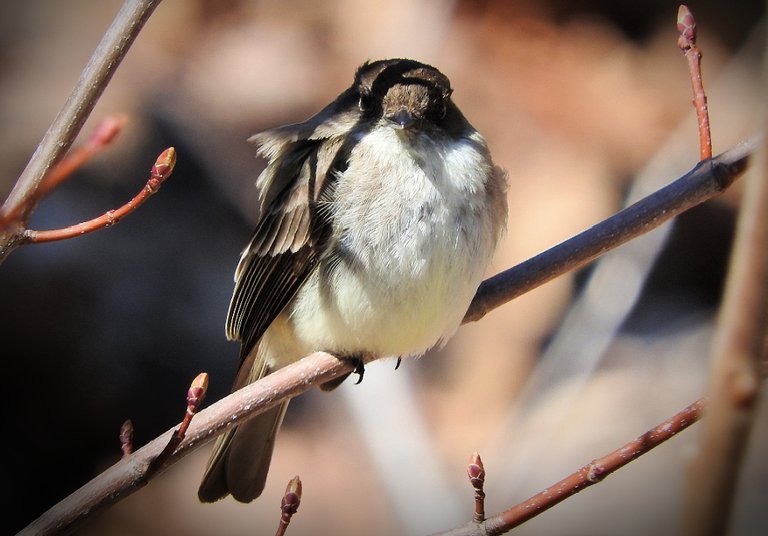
{"points": [[130, 473], [62, 132], [705, 181], [104, 134], [590, 474]]}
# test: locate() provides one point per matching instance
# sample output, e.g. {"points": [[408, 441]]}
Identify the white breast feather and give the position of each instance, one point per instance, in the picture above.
{"points": [[418, 259]]}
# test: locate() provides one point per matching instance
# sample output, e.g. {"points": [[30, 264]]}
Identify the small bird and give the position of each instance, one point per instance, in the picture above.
{"points": [[378, 218]]}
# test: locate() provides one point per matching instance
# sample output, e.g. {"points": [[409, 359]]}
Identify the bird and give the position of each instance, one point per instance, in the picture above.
{"points": [[378, 218]]}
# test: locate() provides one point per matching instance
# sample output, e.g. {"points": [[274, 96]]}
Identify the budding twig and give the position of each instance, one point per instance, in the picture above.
{"points": [[103, 135], [161, 170], [686, 25], [126, 438], [289, 505], [195, 397], [64, 129], [597, 470], [590, 474], [476, 474]]}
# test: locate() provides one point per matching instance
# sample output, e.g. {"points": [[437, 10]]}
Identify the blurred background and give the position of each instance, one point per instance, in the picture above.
{"points": [[586, 104]]}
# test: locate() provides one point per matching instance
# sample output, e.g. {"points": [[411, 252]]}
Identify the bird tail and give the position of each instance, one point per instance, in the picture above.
{"points": [[240, 460]]}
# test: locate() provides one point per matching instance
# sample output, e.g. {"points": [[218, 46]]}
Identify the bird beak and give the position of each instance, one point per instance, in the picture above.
{"points": [[402, 118]]}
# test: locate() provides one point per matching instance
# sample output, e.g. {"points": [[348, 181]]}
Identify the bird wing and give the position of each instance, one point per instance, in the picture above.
{"points": [[288, 240]]}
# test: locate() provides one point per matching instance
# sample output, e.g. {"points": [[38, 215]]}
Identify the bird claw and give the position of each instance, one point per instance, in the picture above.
{"points": [[359, 369]]}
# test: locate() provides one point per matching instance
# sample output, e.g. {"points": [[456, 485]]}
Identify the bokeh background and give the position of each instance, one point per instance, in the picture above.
{"points": [[586, 104]]}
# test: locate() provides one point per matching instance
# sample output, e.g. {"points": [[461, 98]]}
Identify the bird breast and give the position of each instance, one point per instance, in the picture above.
{"points": [[412, 239]]}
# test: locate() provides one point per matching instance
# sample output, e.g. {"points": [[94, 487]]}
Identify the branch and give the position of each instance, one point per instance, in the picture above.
{"points": [[130, 473], [195, 396], [161, 170], [686, 25], [705, 181], [103, 135], [62, 132], [590, 474]]}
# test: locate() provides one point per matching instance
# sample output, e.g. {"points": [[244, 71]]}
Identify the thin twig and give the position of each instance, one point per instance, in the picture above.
{"points": [[161, 170], [195, 396], [590, 474], [104, 133], [686, 25], [704, 182], [62, 132], [289, 505], [738, 348]]}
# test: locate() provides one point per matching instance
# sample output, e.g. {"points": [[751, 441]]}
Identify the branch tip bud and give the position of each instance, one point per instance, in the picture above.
{"points": [[126, 437], [163, 166], [197, 390], [292, 497], [476, 471], [686, 25]]}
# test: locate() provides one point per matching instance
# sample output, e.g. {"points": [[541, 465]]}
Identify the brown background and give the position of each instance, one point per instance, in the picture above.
{"points": [[577, 101]]}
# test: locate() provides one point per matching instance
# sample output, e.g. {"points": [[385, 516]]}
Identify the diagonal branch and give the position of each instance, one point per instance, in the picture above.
{"points": [[130, 473], [590, 474], [704, 182], [708, 179]]}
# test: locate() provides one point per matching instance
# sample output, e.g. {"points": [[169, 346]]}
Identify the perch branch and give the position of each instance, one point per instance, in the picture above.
{"points": [[705, 181], [130, 473]]}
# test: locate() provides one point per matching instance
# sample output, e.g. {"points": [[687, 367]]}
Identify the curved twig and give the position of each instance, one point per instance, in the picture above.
{"points": [[62, 132], [161, 170]]}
